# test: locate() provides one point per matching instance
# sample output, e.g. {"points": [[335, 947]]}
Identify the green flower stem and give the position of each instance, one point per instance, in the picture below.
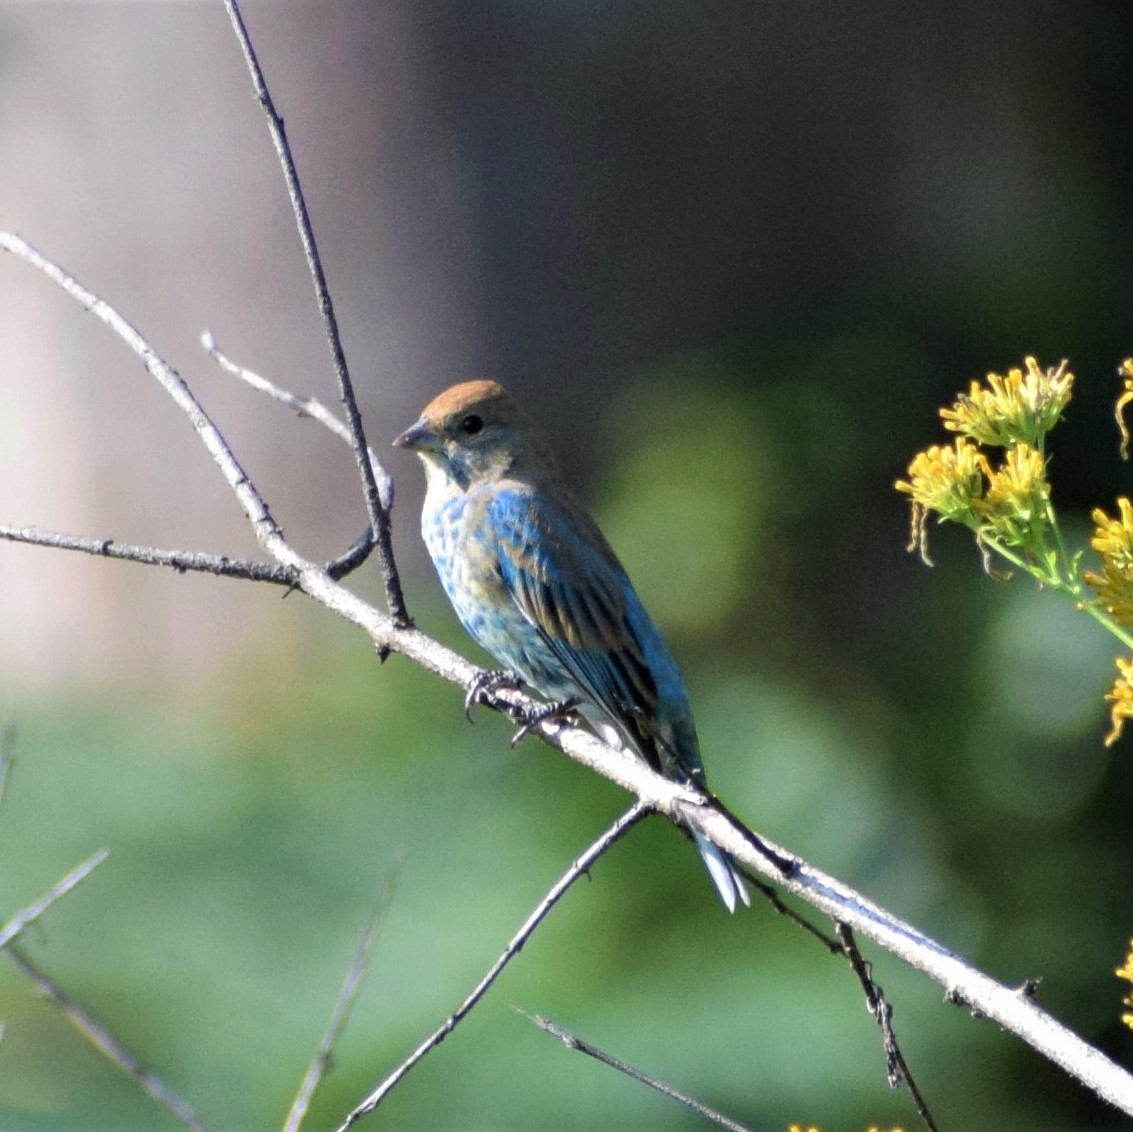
{"points": [[1067, 583]]}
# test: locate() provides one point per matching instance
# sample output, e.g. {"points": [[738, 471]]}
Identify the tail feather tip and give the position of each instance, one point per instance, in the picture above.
{"points": [[724, 873]]}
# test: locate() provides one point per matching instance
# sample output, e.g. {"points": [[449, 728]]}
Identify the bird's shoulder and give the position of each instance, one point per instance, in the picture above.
{"points": [[541, 524]]}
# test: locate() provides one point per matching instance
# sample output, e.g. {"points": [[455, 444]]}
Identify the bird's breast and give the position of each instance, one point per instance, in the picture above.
{"points": [[465, 552]]}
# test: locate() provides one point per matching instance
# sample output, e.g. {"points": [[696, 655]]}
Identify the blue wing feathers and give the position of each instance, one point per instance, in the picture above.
{"points": [[571, 589]]}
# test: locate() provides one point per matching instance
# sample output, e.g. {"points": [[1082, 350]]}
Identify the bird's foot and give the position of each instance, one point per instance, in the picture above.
{"points": [[545, 713], [485, 683], [692, 795]]}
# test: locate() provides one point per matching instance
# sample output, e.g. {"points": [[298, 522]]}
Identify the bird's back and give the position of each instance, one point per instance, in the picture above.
{"points": [[534, 581]]}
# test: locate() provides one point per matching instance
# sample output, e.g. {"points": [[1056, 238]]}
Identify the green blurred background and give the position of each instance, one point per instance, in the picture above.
{"points": [[734, 256]]}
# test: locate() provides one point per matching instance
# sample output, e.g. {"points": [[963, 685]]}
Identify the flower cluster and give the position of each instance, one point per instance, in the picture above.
{"points": [[1120, 700], [1125, 372], [1004, 498], [1007, 503], [1020, 408], [992, 479], [1113, 583], [1113, 540], [1125, 971]]}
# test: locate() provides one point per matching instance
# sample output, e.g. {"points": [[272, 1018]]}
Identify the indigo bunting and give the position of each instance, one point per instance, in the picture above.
{"points": [[534, 581]]}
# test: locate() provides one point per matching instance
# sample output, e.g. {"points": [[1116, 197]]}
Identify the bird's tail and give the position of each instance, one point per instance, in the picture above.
{"points": [[724, 873]]}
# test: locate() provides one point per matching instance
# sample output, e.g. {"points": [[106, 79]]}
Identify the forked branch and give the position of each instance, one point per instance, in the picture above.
{"points": [[579, 868], [376, 507], [1015, 1012]]}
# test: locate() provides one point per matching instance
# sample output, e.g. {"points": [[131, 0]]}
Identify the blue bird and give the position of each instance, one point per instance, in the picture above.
{"points": [[534, 581]]}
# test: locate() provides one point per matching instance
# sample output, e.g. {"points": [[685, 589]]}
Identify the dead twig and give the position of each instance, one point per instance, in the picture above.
{"points": [[7, 755], [797, 918], [304, 406], [181, 561], [342, 1008], [896, 1067], [1019, 1014], [572, 1041], [21, 920], [579, 868], [106, 1043], [377, 511]]}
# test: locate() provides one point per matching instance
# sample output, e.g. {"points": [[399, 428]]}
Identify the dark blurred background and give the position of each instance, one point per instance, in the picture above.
{"points": [[734, 256]]}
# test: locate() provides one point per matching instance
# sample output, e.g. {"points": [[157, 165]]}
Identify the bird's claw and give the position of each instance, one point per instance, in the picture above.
{"points": [[691, 796], [484, 683], [560, 709]]}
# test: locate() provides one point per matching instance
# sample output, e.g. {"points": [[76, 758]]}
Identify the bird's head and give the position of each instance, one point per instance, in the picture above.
{"points": [[474, 432]]}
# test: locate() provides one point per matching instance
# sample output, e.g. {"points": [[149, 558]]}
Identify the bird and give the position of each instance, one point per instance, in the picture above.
{"points": [[533, 580]]}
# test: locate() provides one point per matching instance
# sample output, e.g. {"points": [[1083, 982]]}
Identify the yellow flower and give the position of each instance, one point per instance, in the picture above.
{"points": [[1021, 407], [1120, 698], [1125, 372], [1113, 540], [947, 480], [1017, 494], [1126, 972], [1115, 592]]}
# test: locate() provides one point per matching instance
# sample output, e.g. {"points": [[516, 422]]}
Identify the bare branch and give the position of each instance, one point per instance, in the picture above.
{"points": [[30, 914], [573, 1042], [188, 561], [353, 558], [171, 381], [7, 755], [316, 410], [776, 901], [106, 1043], [579, 868], [963, 983], [180, 560], [304, 406], [896, 1067], [378, 513], [342, 1009], [75, 1014]]}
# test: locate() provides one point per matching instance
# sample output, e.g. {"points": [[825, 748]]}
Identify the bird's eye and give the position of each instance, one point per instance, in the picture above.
{"points": [[472, 424]]}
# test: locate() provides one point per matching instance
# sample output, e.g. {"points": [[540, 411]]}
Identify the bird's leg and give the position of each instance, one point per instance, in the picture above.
{"points": [[485, 683], [560, 709]]}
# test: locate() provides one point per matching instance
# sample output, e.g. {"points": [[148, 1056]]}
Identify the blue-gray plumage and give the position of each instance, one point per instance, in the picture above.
{"points": [[534, 581]]}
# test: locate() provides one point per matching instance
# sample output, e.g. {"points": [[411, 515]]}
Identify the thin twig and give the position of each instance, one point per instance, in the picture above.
{"points": [[896, 1067], [1017, 1013], [187, 561], [304, 406], [579, 868], [316, 410], [353, 558], [571, 1041], [180, 560], [378, 513], [106, 1043], [7, 755], [776, 901], [30, 914], [342, 1009], [265, 527]]}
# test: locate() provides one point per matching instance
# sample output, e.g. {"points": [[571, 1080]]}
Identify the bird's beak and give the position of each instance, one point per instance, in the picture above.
{"points": [[418, 437]]}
